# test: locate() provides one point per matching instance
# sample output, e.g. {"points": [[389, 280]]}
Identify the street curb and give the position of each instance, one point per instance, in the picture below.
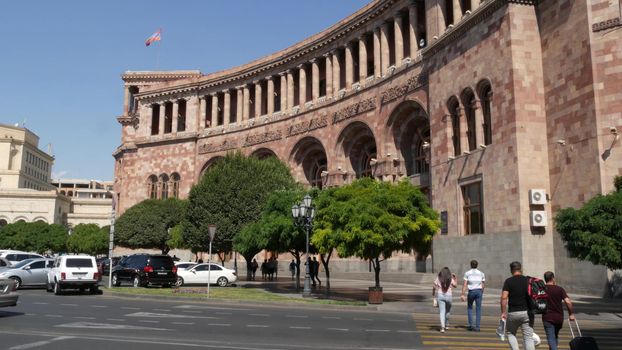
{"points": [[119, 295]]}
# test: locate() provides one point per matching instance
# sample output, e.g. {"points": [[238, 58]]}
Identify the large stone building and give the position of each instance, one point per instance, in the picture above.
{"points": [[91, 200], [503, 111]]}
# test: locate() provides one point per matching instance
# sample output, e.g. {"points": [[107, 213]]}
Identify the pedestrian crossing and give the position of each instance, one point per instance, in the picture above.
{"points": [[607, 334]]}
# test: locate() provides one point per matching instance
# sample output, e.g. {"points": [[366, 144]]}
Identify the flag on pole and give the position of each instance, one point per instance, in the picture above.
{"points": [[154, 37]]}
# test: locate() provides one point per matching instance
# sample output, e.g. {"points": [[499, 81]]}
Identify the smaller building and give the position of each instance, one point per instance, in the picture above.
{"points": [[91, 200]]}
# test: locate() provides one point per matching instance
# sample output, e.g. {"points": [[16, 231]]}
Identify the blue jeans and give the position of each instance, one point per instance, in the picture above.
{"points": [[475, 295], [444, 307], [552, 333]]}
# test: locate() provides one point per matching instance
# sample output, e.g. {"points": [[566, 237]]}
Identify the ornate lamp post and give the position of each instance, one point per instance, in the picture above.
{"points": [[303, 214]]}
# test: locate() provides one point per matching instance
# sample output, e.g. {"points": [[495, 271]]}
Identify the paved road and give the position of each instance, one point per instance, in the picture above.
{"points": [[46, 321]]}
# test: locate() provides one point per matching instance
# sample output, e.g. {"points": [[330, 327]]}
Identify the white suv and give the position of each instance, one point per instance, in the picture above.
{"points": [[74, 272]]}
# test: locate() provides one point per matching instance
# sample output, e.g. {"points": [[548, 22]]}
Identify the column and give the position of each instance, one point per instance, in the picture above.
{"points": [[457, 11], [290, 90], [329, 75], [246, 104], [284, 102], [302, 85], [203, 112], [362, 59], [412, 30], [239, 105], [126, 100], [479, 122], [270, 95], [315, 79], [227, 115], [349, 66], [336, 73], [464, 140], [175, 116], [214, 120], [377, 56], [384, 48], [398, 37], [257, 100], [162, 111]]}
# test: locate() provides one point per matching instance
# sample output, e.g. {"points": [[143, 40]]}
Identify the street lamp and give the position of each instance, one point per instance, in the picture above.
{"points": [[303, 214], [211, 229]]}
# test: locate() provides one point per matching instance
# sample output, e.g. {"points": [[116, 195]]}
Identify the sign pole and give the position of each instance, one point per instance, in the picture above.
{"points": [[111, 247], [212, 232]]}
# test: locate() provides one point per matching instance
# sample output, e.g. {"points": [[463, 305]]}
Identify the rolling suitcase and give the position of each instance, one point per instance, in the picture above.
{"points": [[580, 342]]}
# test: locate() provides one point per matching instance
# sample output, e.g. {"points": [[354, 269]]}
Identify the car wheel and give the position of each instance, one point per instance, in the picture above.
{"points": [[57, 290], [180, 282], [136, 282], [115, 280], [222, 281], [48, 287], [18, 282]]}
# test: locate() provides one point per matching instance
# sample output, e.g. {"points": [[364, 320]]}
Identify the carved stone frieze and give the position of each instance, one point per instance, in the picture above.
{"points": [[399, 91], [263, 137], [211, 148], [130, 119], [315, 123], [354, 109]]}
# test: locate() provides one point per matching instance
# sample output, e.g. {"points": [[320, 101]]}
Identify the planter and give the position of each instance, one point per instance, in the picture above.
{"points": [[375, 295]]}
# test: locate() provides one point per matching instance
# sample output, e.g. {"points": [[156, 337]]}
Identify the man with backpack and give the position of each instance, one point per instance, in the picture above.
{"points": [[553, 318], [515, 306]]}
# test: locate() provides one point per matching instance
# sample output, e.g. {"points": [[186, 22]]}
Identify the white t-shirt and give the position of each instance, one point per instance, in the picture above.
{"points": [[474, 278]]}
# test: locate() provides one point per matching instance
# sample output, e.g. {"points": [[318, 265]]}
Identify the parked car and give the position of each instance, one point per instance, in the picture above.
{"points": [[15, 256], [197, 274], [103, 264], [29, 272], [4, 264], [184, 265], [73, 272], [8, 296], [144, 270]]}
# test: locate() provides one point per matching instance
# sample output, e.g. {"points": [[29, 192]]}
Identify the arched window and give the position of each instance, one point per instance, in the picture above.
{"points": [[485, 95], [366, 166], [422, 153], [163, 186], [468, 101], [316, 177], [152, 187], [454, 111], [3, 222], [175, 185]]}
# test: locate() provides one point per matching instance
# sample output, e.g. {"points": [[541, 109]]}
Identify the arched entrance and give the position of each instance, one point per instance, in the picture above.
{"points": [[263, 153], [309, 159], [208, 164], [357, 145]]}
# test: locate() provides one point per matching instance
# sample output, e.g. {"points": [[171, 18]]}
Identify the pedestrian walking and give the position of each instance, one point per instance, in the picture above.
{"points": [[443, 285], [316, 270], [553, 318], [254, 267], [309, 267], [515, 306], [292, 268], [474, 280], [264, 269]]}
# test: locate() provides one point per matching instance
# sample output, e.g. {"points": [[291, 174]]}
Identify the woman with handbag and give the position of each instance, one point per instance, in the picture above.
{"points": [[443, 285]]}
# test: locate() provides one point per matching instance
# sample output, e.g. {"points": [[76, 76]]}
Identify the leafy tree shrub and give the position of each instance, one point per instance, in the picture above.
{"points": [[88, 239]]}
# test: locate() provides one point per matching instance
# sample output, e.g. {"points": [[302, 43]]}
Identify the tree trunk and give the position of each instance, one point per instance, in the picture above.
{"points": [[376, 264], [165, 250], [249, 260], [325, 260]]}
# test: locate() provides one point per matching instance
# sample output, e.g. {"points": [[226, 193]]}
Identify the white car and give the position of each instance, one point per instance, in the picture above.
{"points": [[197, 274], [15, 256], [184, 265], [74, 272], [28, 273]]}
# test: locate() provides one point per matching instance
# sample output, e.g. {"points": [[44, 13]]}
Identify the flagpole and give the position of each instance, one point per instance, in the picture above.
{"points": [[158, 50]]}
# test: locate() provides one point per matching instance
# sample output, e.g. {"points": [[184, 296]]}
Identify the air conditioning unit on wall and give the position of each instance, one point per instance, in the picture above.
{"points": [[537, 197], [538, 218]]}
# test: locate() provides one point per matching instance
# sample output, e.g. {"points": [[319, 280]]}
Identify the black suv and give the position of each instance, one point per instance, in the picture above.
{"points": [[144, 270]]}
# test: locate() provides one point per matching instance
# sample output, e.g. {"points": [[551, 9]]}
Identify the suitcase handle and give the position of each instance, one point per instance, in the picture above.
{"points": [[570, 326]]}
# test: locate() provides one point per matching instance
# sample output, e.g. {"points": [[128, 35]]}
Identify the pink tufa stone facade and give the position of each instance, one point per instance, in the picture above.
{"points": [[477, 103]]}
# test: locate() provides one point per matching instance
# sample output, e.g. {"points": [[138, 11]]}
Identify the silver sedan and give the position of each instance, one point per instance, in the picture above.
{"points": [[30, 272]]}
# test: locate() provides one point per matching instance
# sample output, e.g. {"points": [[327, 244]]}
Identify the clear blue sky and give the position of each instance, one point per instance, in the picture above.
{"points": [[61, 61]]}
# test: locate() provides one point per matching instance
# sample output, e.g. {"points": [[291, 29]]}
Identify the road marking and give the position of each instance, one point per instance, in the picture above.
{"points": [[362, 319], [257, 326], [407, 331], [115, 319], [338, 329], [219, 324], [94, 325], [296, 316], [396, 320], [192, 311], [53, 316], [39, 343], [377, 330], [165, 310], [148, 321], [130, 308], [331, 318], [223, 313], [154, 315], [184, 323], [260, 315], [30, 314], [68, 304], [40, 303], [99, 306], [295, 327], [84, 317]]}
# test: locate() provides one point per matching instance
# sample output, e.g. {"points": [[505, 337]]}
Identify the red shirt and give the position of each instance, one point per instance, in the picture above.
{"points": [[554, 308]]}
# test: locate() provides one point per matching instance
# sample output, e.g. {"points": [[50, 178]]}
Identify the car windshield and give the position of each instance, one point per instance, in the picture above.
{"points": [[158, 262], [22, 263], [79, 262]]}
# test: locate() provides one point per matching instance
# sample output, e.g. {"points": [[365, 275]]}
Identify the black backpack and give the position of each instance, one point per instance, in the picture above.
{"points": [[536, 295]]}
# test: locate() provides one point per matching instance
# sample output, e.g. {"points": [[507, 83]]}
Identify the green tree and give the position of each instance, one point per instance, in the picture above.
{"points": [[230, 195], [371, 220], [34, 237], [594, 232], [88, 239], [146, 224]]}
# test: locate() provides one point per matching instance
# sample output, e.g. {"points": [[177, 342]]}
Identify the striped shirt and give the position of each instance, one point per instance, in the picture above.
{"points": [[474, 278]]}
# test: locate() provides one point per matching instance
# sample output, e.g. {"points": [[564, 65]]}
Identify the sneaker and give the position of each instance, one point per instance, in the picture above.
{"points": [[442, 330], [469, 328]]}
